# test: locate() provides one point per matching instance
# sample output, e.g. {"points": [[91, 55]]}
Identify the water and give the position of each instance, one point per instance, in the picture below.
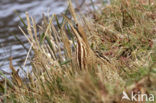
{"points": [[9, 22]]}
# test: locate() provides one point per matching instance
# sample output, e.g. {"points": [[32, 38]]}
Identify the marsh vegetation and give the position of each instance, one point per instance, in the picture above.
{"points": [[88, 58]]}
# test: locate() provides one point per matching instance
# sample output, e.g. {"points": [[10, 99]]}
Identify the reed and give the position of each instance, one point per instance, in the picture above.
{"points": [[89, 59]]}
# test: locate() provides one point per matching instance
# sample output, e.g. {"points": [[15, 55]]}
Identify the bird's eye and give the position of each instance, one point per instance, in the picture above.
{"points": [[76, 26]]}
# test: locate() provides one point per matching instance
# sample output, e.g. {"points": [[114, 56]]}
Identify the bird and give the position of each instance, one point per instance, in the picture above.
{"points": [[85, 56]]}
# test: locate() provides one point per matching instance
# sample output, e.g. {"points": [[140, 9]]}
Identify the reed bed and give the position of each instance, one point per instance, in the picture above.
{"points": [[88, 59]]}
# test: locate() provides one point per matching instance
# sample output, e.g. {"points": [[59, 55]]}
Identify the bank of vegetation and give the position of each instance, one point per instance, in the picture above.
{"points": [[88, 59]]}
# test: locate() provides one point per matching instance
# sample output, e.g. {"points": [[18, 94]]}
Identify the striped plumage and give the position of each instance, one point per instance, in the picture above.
{"points": [[85, 56], [81, 54]]}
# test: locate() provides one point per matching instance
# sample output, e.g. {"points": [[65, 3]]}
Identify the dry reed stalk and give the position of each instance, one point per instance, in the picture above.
{"points": [[57, 40], [72, 11], [15, 75], [35, 31], [66, 42]]}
